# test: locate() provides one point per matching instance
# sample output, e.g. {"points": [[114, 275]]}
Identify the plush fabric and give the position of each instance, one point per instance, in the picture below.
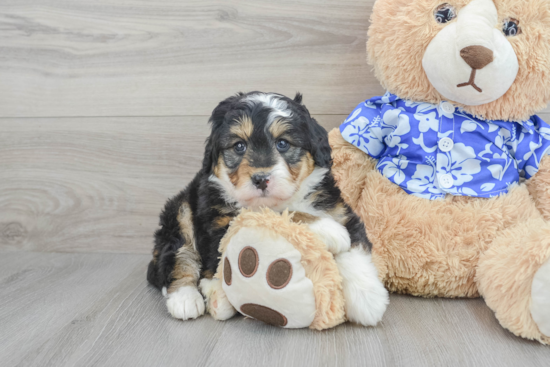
{"points": [[491, 60], [408, 139], [401, 31], [318, 264], [444, 248]]}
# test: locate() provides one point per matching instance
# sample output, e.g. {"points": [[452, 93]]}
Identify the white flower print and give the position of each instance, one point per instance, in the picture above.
{"points": [[362, 134], [422, 182], [486, 158], [394, 168], [394, 125], [462, 164], [427, 121]]}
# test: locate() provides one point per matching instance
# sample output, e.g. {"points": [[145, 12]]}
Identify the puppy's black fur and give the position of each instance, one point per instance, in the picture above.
{"points": [[210, 204]]}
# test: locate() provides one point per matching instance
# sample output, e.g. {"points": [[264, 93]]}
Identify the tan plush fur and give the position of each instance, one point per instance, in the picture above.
{"points": [[459, 246], [318, 263], [453, 247], [401, 30]]}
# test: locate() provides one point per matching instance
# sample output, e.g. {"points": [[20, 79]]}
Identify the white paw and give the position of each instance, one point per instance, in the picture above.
{"points": [[186, 303], [335, 235], [540, 298], [365, 295], [217, 303]]}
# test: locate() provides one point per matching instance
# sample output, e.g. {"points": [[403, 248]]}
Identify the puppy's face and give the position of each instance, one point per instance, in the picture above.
{"points": [[264, 149]]}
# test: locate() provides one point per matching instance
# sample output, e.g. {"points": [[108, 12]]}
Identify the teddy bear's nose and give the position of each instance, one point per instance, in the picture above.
{"points": [[477, 57]]}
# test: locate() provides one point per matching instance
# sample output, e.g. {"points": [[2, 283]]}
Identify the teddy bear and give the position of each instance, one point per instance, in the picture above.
{"points": [[274, 269], [449, 170], [277, 271]]}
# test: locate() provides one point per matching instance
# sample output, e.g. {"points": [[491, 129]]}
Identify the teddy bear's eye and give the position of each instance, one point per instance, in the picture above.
{"points": [[444, 13], [511, 27]]}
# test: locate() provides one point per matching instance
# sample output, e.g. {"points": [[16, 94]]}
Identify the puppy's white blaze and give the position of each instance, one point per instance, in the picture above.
{"points": [[334, 235], [273, 101], [186, 303], [365, 296]]}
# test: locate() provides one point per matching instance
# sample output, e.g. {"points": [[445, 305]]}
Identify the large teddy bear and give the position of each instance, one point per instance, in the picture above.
{"points": [[450, 169]]}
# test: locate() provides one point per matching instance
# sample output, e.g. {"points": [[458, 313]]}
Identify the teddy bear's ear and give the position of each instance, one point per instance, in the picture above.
{"points": [[298, 98]]}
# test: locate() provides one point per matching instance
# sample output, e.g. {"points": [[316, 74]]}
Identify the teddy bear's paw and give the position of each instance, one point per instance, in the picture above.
{"points": [[334, 235], [186, 303], [540, 298], [365, 295], [217, 303]]}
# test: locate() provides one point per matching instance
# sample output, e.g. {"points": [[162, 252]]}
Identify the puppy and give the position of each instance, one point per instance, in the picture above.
{"points": [[265, 150]]}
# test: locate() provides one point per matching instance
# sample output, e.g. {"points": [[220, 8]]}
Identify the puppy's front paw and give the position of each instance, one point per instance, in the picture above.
{"points": [[365, 295], [186, 303], [335, 235], [217, 303]]}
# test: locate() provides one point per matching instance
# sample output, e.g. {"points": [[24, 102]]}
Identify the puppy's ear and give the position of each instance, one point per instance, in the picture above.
{"points": [[217, 120], [320, 148], [298, 98]]}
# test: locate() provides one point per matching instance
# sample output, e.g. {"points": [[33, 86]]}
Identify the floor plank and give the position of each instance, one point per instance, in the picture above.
{"points": [[97, 310], [167, 57], [95, 184]]}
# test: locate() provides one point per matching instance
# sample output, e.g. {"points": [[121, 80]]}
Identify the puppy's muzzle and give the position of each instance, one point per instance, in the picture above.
{"points": [[260, 180]]}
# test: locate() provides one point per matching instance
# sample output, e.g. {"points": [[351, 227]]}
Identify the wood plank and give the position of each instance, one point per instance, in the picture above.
{"points": [[97, 310], [95, 184], [164, 58]]}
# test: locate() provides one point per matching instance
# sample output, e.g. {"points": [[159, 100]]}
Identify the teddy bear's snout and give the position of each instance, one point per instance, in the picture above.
{"points": [[477, 57]]}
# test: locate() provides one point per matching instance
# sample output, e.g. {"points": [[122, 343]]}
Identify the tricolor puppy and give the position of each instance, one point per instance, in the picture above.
{"points": [[265, 150]]}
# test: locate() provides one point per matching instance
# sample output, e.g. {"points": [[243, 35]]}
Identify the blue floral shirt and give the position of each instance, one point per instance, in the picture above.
{"points": [[434, 150]]}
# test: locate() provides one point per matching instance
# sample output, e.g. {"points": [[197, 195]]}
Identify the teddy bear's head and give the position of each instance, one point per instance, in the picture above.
{"points": [[491, 57]]}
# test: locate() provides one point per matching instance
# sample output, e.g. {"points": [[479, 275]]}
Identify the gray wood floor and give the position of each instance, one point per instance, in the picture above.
{"points": [[97, 310], [103, 110]]}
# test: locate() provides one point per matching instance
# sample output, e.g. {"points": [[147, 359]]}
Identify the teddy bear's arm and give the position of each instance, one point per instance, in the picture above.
{"points": [[539, 187]]}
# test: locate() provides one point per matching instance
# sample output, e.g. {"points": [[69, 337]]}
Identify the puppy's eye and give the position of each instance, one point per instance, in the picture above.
{"points": [[282, 145], [240, 147], [444, 13], [511, 27]]}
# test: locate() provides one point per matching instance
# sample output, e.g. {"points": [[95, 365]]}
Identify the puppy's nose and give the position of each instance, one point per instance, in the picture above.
{"points": [[477, 57], [260, 180]]}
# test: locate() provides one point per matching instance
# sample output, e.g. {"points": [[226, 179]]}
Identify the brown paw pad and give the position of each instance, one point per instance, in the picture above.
{"points": [[279, 273], [227, 271], [264, 314], [248, 261]]}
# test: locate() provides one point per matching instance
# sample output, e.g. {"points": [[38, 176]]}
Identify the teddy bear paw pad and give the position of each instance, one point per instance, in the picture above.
{"points": [[264, 279]]}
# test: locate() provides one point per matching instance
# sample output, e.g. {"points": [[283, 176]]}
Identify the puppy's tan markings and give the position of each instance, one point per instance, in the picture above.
{"points": [[186, 270], [185, 220], [300, 217], [219, 167], [222, 222], [278, 128], [243, 128], [208, 274], [301, 170], [188, 262], [339, 213]]}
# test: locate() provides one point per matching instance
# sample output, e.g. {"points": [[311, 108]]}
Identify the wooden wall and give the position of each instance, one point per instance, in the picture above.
{"points": [[103, 104]]}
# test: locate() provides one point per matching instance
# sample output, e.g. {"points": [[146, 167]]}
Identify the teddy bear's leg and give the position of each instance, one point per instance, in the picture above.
{"points": [[365, 296], [217, 303], [539, 188], [513, 276]]}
